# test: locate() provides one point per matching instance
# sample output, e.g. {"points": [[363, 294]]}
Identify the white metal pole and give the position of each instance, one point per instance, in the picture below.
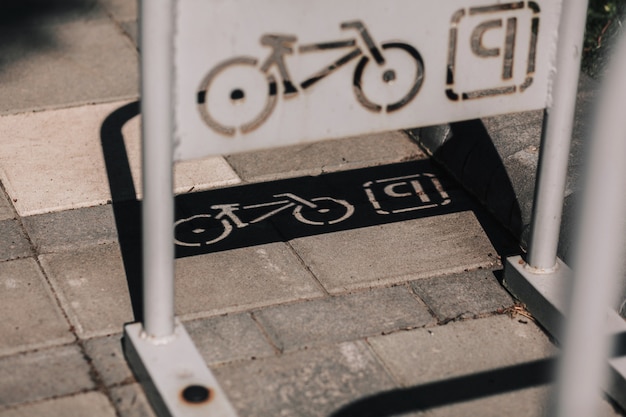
{"points": [[156, 35], [556, 139], [599, 252]]}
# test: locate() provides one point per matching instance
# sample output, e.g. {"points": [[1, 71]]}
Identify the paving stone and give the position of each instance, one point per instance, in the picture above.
{"points": [[14, 243], [43, 374], [6, 208], [130, 401], [313, 382], [91, 285], [107, 357], [72, 229], [325, 156], [396, 252], [121, 9], [31, 317], [53, 160], [463, 295], [228, 338], [530, 402], [83, 61], [92, 404], [343, 318], [460, 348], [241, 279]]}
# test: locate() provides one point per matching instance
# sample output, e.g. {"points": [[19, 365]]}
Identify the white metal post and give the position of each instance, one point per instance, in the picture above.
{"points": [[157, 110], [556, 139], [599, 252], [160, 352]]}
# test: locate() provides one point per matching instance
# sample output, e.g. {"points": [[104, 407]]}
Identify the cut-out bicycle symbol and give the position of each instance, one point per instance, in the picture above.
{"points": [[206, 229], [213, 96]]}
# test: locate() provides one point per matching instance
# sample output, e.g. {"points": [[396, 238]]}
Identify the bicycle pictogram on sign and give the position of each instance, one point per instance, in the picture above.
{"points": [[279, 82]]}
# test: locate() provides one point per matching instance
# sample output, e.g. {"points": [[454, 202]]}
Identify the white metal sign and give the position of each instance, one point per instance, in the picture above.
{"points": [[252, 74]]}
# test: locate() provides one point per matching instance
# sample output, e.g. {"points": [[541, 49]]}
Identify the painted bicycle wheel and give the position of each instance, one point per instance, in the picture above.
{"points": [[236, 96], [327, 210], [387, 86], [200, 230]]}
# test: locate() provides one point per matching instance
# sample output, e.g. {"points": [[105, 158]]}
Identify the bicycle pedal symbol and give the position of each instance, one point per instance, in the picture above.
{"points": [[206, 229], [231, 105]]}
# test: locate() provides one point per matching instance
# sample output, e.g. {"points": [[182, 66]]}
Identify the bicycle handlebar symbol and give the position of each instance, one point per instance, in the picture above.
{"points": [[206, 229], [283, 45]]}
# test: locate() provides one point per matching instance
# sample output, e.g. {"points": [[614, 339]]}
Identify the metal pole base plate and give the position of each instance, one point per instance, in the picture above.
{"points": [[174, 376], [544, 297]]}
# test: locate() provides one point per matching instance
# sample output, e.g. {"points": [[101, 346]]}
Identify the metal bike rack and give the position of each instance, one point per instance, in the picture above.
{"points": [[173, 373], [572, 305]]}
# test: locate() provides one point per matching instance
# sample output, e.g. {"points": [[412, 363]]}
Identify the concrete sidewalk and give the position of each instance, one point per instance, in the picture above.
{"points": [[395, 310]]}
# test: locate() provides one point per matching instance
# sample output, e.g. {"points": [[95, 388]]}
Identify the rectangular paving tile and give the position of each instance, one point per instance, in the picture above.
{"points": [[463, 295], [82, 61], [53, 160], [107, 356], [72, 229], [460, 348], [241, 279], [228, 338], [92, 404], [343, 318], [92, 286], [130, 401], [397, 252], [14, 243], [31, 316], [313, 382], [326, 156], [6, 208], [43, 374]]}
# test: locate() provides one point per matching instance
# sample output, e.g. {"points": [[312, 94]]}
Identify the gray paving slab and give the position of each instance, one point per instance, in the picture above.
{"points": [[81, 61], [229, 338], [397, 252], [72, 229], [91, 285], [343, 318], [6, 208], [241, 279], [14, 243], [460, 348], [130, 401], [313, 382], [90, 404], [531, 402], [463, 295], [107, 356], [326, 156], [43, 374], [121, 10], [31, 316]]}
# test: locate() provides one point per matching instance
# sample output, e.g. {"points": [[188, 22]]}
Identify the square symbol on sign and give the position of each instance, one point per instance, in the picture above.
{"points": [[408, 193], [492, 50]]}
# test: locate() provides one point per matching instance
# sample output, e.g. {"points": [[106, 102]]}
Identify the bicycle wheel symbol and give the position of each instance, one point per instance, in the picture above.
{"points": [[386, 85], [237, 94]]}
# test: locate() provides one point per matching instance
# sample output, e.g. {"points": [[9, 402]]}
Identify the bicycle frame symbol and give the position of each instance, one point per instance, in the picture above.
{"points": [[281, 46], [206, 229]]}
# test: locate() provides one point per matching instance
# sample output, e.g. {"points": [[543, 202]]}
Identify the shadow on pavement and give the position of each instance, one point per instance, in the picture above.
{"points": [[25, 25], [278, 211]]}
